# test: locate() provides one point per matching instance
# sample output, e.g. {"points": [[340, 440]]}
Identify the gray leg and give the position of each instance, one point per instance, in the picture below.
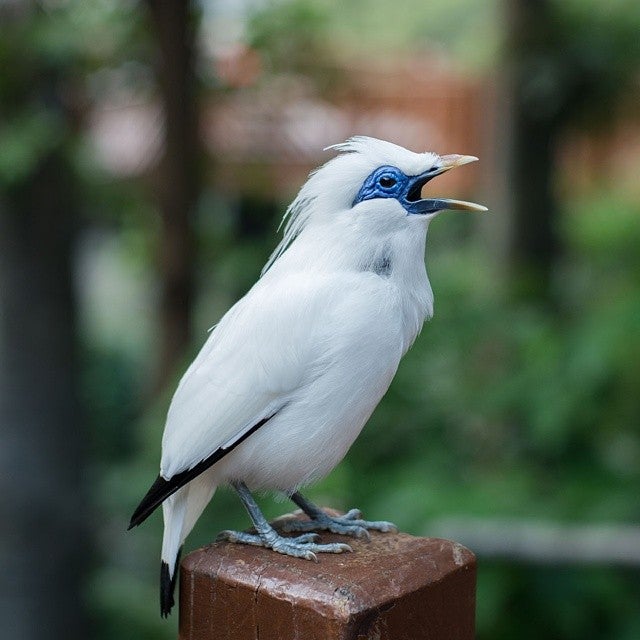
{"points": [[349, 524], [304, 546]]}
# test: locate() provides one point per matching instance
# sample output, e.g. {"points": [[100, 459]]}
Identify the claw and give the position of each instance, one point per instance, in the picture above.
{"points": [[226, 536], [362, 533]]}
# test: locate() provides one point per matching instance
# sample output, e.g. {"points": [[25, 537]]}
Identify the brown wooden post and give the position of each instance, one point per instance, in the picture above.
{"points": [[396, 587]]}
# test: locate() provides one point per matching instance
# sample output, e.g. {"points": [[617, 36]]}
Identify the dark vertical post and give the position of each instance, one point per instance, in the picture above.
{"points": [[396, 587], [528, 140], [174, 25], [42, 531]]}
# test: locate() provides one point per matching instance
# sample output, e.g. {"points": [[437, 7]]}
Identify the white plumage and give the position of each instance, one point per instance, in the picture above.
{"points": [[311, 349]]}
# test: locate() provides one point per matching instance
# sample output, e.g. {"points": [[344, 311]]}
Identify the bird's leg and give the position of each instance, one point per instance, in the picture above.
{"points": [[304, 546], [350, 523]]}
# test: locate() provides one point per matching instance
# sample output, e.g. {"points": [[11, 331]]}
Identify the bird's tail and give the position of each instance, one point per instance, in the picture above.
{"points": [[180, 511]]}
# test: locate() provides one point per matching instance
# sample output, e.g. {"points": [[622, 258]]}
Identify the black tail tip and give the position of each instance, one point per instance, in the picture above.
{"points": [[168, 585]]}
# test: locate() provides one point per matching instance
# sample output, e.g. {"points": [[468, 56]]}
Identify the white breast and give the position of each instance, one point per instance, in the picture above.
{"points": [[361, 342]]}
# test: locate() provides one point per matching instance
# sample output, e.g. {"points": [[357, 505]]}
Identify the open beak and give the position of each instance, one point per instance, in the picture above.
{"points": [[422, 206]]}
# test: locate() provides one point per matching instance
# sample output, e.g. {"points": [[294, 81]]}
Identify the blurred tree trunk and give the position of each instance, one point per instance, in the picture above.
{"points": [[42, 531], [530, 130], [174, 24]]}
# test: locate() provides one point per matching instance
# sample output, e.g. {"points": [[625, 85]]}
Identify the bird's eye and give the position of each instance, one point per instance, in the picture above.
{"points": [[387, 182]]}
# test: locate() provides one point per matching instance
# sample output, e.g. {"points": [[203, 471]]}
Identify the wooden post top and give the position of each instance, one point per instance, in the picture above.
{"points": [[396, 587]]}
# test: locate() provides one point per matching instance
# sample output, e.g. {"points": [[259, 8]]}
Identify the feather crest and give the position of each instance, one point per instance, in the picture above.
{"points": [[333, 185]]}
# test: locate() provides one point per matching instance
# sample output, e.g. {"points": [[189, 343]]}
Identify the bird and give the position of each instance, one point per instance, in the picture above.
{"points": [[289, 376]]}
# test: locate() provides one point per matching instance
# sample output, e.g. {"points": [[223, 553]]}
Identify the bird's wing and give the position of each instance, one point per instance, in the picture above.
{"points": [[255, 359]]}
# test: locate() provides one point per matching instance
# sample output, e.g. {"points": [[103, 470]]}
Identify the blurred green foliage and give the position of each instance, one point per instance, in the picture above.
{"points": [[292, 35]]}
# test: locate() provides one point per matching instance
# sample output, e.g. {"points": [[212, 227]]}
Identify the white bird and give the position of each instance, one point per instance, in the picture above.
{"points": [[290, 375]]}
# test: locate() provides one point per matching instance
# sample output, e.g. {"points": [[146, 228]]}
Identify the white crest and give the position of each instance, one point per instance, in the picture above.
{"points": [[334, 185]]}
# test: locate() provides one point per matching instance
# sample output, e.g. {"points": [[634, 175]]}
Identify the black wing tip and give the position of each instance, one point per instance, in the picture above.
{"points": [[158, 491], [168, 585], [138, 518]]}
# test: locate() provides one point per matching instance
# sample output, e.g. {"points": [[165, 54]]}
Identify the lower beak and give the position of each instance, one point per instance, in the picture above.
{"points": [[440, 204]]}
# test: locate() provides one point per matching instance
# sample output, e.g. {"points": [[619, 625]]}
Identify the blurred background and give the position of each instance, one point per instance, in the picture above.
{"points": [[147, 152]]}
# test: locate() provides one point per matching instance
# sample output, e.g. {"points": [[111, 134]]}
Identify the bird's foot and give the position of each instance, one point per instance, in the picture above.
{"points": [[350, 524], [304, 546]]}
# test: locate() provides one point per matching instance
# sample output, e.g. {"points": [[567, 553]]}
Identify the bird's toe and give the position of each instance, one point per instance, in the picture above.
{"points": [[225, 536], [385, 527], [307, 537]]}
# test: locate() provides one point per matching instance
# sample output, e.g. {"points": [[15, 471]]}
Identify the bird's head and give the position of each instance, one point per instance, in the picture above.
{"points": [[374, 186]]}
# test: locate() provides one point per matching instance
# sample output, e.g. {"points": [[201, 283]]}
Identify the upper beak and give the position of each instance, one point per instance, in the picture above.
{"points": [[454, 160], [428, 205]]}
